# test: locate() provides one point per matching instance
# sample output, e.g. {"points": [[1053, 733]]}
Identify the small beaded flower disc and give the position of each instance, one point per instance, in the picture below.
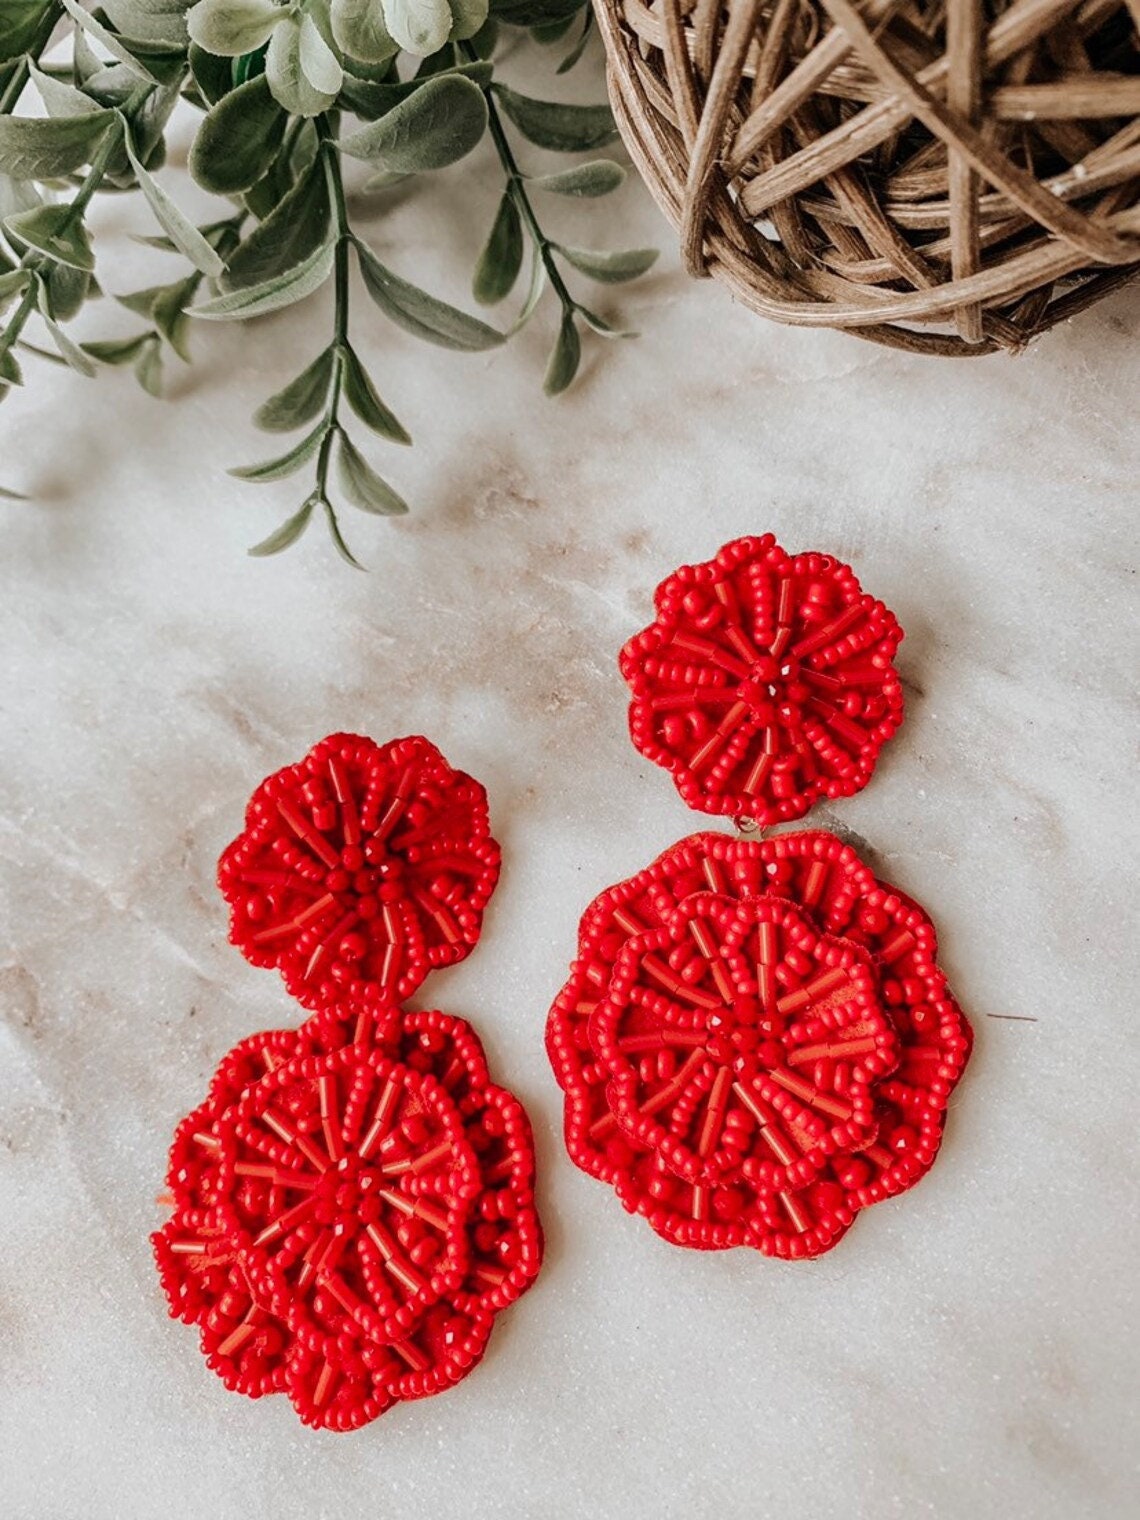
{"points": [[353, 1203], [361, 867], [756, 1042], [765, 682]]}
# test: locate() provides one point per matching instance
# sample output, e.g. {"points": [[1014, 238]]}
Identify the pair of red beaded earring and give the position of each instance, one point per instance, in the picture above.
{"points": [[353, 1203], [755, 1042]]}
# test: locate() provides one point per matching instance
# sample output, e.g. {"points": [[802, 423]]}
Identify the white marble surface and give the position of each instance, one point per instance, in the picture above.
{"points": [[970, 1350]]}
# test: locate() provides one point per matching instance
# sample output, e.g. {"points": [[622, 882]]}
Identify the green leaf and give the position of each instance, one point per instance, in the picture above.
{"points": [[603, 328], [148, 368], [361, 484], [70, 352], [238, 140], [468, 18], [283, 290], [213, 75], [10, 372], [6, 495], [579, 47], [291, 233], [287, 464], [362, 398], [534, 293], [115, 351], [421, 27], [565, 129], [54, 231], [501, 259], [358, 28], [67, 289], [177, 226], [229, 28], [565, 359], [150, 20], [169, 314], [59, 98], [285, 72], [421, 314], [319, 64], [301, 399], [114, 44], [610, 268], [35, 148], [288, 533], [20, 25], [598, 177], [12, 284], [440, 122], [338, 538]]}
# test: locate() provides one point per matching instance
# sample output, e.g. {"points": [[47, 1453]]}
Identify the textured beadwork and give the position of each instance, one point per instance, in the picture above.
{"points": [[352, 1205], [756, 1042], [765, 682], [360, 868]]}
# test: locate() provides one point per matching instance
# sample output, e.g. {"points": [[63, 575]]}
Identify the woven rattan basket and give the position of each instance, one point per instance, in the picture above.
{"points": [[945, 176]]}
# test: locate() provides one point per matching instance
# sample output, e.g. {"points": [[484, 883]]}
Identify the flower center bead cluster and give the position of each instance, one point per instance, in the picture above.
{"points": [[354, 1201]]}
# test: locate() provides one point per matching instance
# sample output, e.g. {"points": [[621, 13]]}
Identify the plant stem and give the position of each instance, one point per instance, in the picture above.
{"points": [[516, 189], [72, 212], [340, 297]]}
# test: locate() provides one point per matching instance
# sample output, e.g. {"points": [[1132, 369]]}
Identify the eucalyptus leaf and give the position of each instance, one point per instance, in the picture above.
{"points": [[587, 181], [287, 464], [148, 368], [56, 232], [566, 357], [565, 129], [229, 28], [502, 256], [359, 30], [177, 226], [36, 148], [295, 229], [283, 290], [362, 398], [288, 533], [301, 399], [610, 268], [421, 27], [285, 73], [440, 122], [238, 140], [421, 314], [361, 484]]}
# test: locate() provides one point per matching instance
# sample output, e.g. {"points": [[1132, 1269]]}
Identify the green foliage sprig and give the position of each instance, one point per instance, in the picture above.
{"points": [[287, 91]]}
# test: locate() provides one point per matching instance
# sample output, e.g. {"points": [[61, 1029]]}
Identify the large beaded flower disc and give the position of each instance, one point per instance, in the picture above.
{"points": [[765, 681], [361, 867], [352, 1205], [756, 1042]]}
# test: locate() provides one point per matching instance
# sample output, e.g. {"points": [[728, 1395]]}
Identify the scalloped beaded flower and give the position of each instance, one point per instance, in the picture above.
{"points": [[765, 682], [756, 1042], [353, 1204], [361, 867]]}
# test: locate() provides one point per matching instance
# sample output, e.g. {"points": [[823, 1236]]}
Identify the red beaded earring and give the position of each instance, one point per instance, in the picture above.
{"points": [[353, 1202], [756, 1041]]}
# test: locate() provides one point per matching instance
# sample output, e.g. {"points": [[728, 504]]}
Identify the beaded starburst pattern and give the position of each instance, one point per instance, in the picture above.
{"points": [[756, 1042], [353, 1202], [360, 868], [765, 682]]}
